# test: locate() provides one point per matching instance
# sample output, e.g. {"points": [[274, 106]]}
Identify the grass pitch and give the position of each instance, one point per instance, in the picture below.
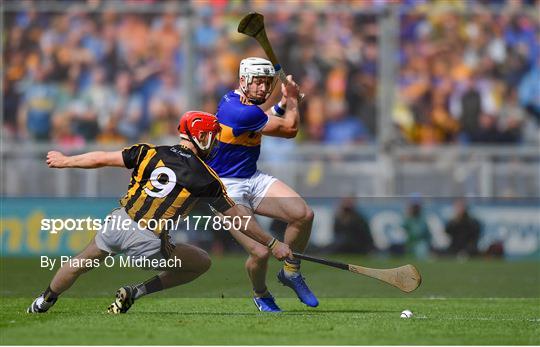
{"points": [[476, 302]]}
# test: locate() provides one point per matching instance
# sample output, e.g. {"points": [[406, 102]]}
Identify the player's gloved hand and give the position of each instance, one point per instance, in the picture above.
{"points": [[167, 247], [56, 160], [281, 250]]}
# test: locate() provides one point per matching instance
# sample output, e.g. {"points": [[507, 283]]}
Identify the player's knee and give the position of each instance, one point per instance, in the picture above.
{"points": [[309, 215], [305, 215], [204, 262], [300, 213]]}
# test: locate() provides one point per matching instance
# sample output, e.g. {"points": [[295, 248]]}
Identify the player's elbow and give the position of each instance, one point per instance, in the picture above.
{"points": [[100, 159], [290, 132]]}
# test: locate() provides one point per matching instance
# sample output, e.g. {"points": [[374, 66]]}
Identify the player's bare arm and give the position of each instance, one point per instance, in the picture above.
{"points": [[286, 126], [90, 160], [251, 229]]}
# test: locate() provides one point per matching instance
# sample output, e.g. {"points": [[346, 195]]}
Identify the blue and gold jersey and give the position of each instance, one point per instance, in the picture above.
{"points": [[240, 141]]}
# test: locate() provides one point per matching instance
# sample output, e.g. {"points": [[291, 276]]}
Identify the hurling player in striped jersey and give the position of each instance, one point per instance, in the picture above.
{"points": [[166, 183]]}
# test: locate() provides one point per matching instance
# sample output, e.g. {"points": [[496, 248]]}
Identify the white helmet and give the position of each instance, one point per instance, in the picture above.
{"points": [[257, 67]]}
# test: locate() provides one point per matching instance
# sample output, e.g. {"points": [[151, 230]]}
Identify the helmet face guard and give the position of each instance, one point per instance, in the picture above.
{"points": [[257, 67], [201, 129]]}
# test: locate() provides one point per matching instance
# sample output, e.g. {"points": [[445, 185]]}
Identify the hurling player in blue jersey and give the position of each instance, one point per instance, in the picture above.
{"points": [[243, 124]]}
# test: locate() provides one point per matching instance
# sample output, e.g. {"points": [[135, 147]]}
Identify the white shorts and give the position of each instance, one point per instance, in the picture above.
{"points": [[249, 191], [132, 240]]}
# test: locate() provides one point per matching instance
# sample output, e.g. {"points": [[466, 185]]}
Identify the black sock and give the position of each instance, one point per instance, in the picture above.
{"points": [[148, 287], [49, 295], [153, 285]]}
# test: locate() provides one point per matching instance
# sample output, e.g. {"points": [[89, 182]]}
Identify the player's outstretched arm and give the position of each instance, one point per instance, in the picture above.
{"points": [[90, 160], [250, 228], [286, 126]]}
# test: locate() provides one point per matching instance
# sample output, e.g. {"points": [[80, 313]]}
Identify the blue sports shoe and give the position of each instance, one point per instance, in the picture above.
{"points": [[300, 287], [266, 304]]}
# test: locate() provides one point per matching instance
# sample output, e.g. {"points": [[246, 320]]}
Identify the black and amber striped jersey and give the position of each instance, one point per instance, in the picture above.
{"points": [[168, 181]]}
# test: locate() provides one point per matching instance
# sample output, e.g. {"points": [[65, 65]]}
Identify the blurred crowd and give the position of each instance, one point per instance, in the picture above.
{"points": [[353, 234], [471, 77], [468, 71]]}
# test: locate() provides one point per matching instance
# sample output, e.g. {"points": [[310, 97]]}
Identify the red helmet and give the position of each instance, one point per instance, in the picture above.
{"points": [[201, 129]]}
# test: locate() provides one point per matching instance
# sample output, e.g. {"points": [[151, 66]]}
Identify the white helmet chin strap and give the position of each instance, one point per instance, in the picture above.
{"points": [[244, 89], [208, 143]]}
